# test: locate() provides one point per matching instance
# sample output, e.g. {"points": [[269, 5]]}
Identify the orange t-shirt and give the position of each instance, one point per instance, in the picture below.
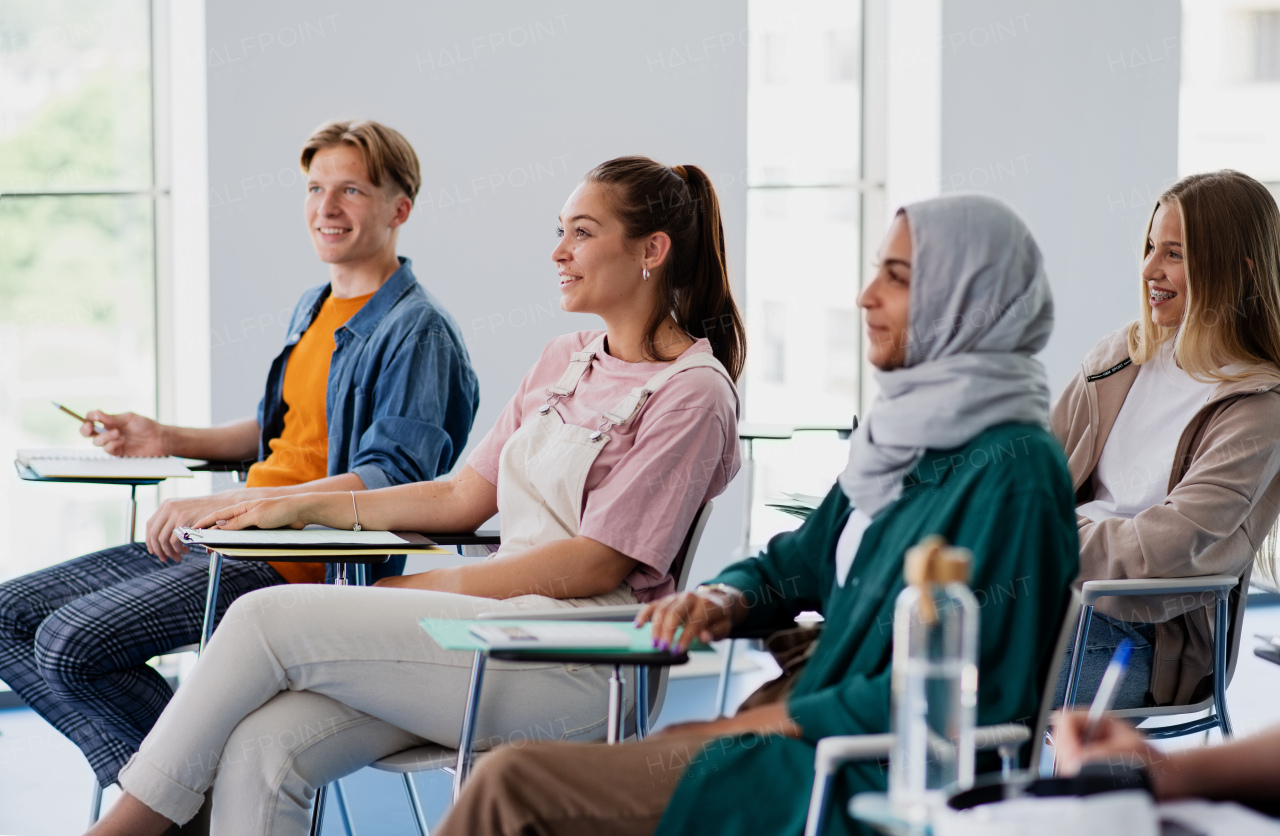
{"points": [[301, 453]]}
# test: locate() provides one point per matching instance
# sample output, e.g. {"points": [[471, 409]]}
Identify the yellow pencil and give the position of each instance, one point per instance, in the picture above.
{"points": [[98, 426]]}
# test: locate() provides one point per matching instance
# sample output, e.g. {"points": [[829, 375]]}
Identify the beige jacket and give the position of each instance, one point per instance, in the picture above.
{"points": [[1224, 496]]}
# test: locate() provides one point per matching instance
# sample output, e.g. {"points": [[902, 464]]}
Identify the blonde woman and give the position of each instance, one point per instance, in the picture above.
{"points": [[1171, 431]]}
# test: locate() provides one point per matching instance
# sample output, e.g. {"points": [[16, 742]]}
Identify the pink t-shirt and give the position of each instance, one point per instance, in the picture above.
{"points": [[645, 487]]}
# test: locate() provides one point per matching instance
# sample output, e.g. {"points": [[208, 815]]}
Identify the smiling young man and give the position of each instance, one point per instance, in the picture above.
{"points": [[372, 388]]}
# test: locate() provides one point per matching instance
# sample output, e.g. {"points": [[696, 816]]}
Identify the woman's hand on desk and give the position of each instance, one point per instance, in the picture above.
{"points": [[277, 512], [707, 614], [162, 538]]}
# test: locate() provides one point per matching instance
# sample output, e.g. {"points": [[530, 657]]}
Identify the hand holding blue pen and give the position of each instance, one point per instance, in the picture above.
{"points": [[1108, 688]]}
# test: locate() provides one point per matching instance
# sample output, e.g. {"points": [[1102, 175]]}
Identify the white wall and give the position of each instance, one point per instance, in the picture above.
{"points": [[507, 104], [1070, 112]]}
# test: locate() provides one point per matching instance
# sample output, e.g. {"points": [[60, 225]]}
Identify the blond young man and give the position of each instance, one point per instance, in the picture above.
{"points": [[372, 388]]}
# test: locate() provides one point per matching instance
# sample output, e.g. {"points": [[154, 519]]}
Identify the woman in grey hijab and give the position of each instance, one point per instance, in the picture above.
{"points": [[979, 309], [955, 445]]}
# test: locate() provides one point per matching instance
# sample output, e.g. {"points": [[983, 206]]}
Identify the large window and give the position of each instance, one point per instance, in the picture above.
{"points": [[804, 240], [78, 214], [1230, 105]]}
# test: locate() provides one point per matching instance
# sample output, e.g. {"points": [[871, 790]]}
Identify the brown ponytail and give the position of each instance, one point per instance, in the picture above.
{"points": [[693, 284]]}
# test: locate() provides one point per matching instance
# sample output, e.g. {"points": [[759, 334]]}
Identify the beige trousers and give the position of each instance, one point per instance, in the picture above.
{"points": [[572, 789], [303, 684]]}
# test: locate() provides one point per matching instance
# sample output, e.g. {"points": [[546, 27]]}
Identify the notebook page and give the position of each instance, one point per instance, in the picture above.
{"points": [[76, 454], [92, 463], [289, 537]]}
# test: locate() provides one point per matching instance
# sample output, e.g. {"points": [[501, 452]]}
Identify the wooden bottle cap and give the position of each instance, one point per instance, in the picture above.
{"points": [[934, 562]]}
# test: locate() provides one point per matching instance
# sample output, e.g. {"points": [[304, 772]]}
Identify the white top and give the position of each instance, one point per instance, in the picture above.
{"points": [[850, 539], [1133, 471]]}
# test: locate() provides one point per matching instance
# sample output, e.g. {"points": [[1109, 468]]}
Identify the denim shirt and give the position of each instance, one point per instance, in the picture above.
{"points": [[402, 395]]}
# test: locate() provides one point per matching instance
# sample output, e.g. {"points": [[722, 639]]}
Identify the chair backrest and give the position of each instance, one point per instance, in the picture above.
{"points": [[1237, 599], [1066, 634], [680, 569]]}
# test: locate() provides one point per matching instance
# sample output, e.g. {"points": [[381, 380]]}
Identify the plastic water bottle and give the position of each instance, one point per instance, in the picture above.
{"points": [[935, 679]]}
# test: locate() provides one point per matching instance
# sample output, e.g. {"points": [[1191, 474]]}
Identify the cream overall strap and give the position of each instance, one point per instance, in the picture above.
{"points": [[630, 405], [579, 362]]}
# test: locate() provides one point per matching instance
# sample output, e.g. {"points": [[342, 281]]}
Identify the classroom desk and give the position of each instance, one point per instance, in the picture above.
{"points": [[1174, 818], [26, 474], [359, 561]]}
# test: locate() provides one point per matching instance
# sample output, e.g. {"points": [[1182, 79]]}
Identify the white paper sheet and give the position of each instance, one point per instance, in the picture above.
{"points": [[290, 537], [93, 463]]}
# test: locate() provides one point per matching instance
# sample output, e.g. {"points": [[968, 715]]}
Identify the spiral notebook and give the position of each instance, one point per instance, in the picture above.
{"points": [[93, 463]]}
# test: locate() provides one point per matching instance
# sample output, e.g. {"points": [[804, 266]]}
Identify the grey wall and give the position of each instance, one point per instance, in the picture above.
{"points": [[1070, 112], [507, 104]]}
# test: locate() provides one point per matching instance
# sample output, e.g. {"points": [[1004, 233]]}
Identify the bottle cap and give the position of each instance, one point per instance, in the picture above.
{"points": [[934, 562]]}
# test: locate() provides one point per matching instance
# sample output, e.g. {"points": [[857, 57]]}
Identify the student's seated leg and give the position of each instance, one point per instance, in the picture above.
{"points": [[278, 756], [359, 653], [50, 647], [26, 601], [1105, 635], [573, 789], [91, 653]]}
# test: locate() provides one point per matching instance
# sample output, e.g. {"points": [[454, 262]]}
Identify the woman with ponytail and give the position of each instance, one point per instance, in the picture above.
{"points": [[598, 465]]}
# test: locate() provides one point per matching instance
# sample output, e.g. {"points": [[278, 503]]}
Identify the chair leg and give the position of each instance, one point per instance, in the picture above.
{"points": [[1220, 667], [642, 701], [617, 687], [1073, 670], [340, 796], [1008, 761], [467, 738], [95, 803], [817, 819], [317, 812], [419, 817], [1077, 657], [726, 672], [211, 598]]}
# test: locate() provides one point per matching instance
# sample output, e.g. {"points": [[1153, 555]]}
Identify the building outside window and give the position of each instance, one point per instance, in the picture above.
{"points": [[804, 241], [1229, 114]]}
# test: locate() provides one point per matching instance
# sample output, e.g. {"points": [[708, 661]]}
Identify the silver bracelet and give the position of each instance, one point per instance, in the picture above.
{"points": [[356, 527]]}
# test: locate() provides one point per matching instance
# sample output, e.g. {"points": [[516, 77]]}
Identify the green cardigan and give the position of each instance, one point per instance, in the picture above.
{"points": [[1006, 495]]}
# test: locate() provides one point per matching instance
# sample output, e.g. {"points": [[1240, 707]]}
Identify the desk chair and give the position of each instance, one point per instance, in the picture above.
{"points": [[1226, 648], [651, 689], [1006, 738]]}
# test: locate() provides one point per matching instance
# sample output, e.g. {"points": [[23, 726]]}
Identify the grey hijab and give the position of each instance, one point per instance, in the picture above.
{"points": [[980, 307]]}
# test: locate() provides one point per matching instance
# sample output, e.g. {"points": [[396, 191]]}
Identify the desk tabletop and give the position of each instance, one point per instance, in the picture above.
{"points": [[26, 474]]}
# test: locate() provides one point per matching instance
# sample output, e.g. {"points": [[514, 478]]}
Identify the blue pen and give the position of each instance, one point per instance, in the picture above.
{"points": [[1108, 688]]}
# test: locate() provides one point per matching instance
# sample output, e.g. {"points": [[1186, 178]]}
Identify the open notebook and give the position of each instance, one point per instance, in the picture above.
{"points": [[92, 463], [305, 538]]}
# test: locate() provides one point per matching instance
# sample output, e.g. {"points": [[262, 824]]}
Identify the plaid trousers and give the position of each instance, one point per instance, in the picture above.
{"points": [[75, 639]]}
